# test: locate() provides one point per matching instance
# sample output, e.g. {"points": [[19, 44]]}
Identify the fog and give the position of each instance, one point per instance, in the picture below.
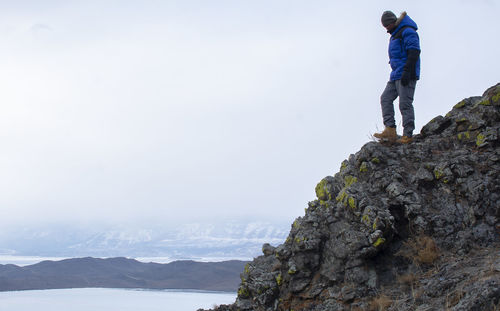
{"points": [[180, 111]]}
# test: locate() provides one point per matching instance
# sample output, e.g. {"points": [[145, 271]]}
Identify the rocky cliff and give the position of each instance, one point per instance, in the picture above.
{"points": [[399, 227]]}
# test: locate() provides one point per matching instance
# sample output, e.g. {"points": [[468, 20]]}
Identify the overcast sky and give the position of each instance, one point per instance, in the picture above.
{"points": [[152, 112]]}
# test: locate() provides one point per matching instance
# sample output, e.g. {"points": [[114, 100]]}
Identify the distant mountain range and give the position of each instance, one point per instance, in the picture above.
{"points": [[122, 273], [236, 240]]}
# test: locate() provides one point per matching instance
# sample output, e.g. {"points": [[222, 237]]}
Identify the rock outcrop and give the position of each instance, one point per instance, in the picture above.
{"points": [[399, 227]]}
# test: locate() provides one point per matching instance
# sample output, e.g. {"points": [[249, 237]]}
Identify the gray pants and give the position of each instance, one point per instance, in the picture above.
{"points": [[405, 93]]}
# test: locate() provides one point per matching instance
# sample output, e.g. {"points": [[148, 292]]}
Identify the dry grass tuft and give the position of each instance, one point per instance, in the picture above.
{"points": [[420, 250], [380, 303], [452, 299], [407, 279]]}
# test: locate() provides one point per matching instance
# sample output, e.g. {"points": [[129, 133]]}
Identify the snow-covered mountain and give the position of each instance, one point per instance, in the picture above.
{"points": [[188, 241]]}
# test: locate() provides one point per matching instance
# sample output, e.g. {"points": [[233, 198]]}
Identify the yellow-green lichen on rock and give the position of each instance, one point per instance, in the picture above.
{"points": [[379, 242], [375, 226], [480, 139], [243, 292], [485, 102], [352, 202], [349, 180], [346, 200], [322, 190], [299, 240], [459, 105], [464, 135], [375, 160], [323, 203], [342, 196], [438, 173], [364, 167], [343, 166], [495, 98], [366, 220], [279, 279]]}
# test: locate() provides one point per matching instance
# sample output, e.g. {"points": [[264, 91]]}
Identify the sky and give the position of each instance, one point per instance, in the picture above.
{"points": [[169, 112]]}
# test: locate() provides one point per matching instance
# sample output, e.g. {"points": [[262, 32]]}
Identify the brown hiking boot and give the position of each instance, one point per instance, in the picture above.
{"points": [[389, 133], [405, 140]]}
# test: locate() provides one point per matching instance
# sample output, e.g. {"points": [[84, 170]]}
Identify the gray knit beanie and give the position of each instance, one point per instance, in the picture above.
{"points": [[388, 18]]}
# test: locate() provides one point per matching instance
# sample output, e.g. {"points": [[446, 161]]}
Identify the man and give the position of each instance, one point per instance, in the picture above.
{"points": [[404, 56]]}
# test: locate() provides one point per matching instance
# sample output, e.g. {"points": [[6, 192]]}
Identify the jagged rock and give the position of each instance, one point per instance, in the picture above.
{"points": [[399, 227], [267, 249]]}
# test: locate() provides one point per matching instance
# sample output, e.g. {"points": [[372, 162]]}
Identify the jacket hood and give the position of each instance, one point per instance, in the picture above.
{"points": [[403, 21]]}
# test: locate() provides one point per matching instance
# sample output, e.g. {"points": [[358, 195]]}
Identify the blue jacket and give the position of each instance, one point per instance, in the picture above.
{"points": [[400, 43]]}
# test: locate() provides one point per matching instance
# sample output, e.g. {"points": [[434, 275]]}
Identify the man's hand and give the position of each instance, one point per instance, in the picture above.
{"points": [[409, 68]]}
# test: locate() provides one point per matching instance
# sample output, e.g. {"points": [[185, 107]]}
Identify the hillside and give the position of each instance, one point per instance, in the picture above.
{"points": [[399, 227], [121, 273]]}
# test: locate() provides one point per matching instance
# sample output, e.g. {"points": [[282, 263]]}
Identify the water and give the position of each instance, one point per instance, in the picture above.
{"points": [[101, 299], [25, 260]]}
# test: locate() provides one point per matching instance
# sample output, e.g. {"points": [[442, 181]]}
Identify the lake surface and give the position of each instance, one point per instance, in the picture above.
{"points": [[25, 260], [102, 299]]}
